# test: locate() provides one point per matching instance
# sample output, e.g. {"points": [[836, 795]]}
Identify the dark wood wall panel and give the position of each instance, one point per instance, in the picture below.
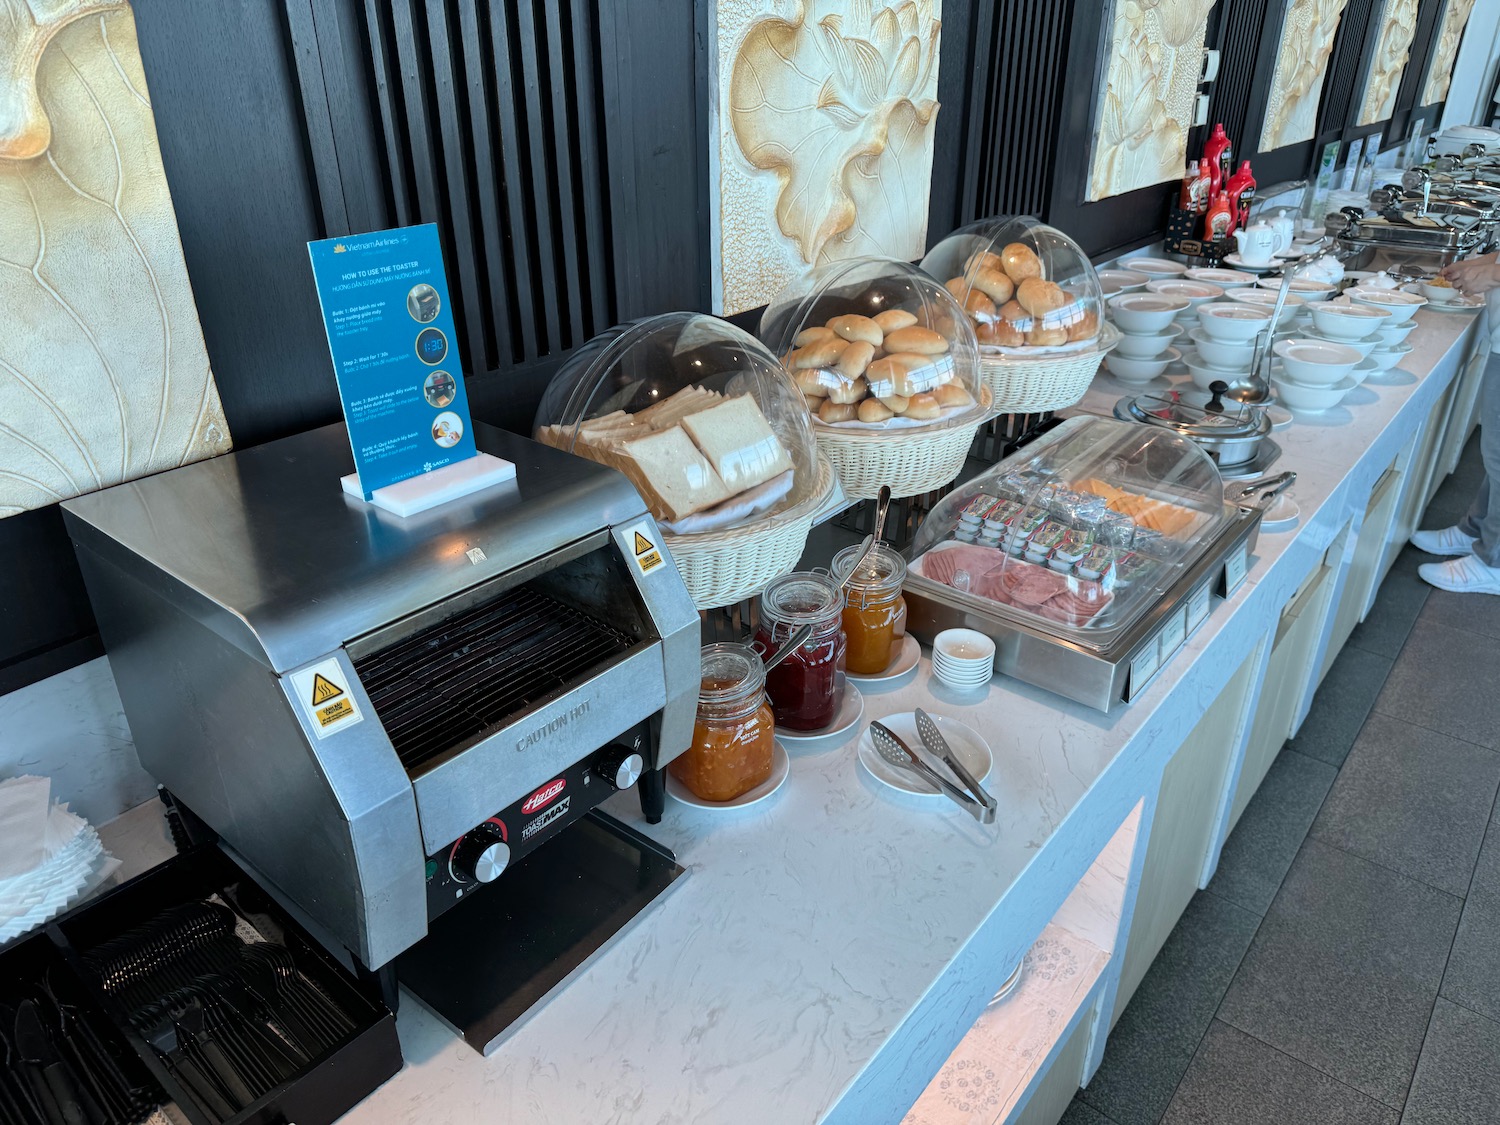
{"points": [[1241, 33], [1346, 69]]}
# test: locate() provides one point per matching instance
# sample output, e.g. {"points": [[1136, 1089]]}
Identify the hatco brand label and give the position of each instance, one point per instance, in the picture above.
{"points": [[544, 796], [548, 729], [546, 818]]}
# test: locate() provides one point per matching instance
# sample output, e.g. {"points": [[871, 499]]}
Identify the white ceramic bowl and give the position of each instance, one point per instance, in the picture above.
{"points": [[1121, 281], [1146, 346], [1401, 306], [1145, 314], [1362, 370], [963, 658], [1302, 287], [1314, 363], [1386, 358], [1205, 374], [1346, 322], [1363, 347], [1129, 370], [1309, 400], [1224, 279], [1233, 323], [1438, 294], [1219, 353], [1156, 267], [1265, 300], [1394, 334], [1194, 292]]}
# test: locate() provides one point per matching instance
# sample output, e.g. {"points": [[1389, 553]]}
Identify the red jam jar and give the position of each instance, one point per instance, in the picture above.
{"points": [[807, 688]]}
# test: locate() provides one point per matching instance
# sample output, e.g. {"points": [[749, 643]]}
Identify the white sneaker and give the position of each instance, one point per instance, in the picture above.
{"points": [[1447, 541], [1466, 575]]}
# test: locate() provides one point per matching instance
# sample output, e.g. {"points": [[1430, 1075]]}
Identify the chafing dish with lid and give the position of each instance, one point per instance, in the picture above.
{"points": [[1233, 436], [1089, 557], [380, 715]]}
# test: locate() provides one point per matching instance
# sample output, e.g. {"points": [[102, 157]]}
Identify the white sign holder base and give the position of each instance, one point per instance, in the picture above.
{"points": [[419, 493]]}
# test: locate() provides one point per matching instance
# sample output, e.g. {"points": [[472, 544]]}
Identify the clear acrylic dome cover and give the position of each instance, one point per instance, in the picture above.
{"points": [[696, 412], [1081, 532], [875, 345], [1028, 288]]}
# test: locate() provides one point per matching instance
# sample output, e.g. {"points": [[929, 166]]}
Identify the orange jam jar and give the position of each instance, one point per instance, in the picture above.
{"points": [[874, 610], [734, 733]]}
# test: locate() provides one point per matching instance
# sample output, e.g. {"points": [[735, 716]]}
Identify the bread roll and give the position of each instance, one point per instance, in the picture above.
{"points": [[1008, 335], [1039, 297], [993, 284], [983, 259], [812, 402], [811, 383], [855, 358], [848, 390], [910, 360], [819, 354], [951, 394], [1020, 262], [923, 407], [837, 412], [813, 335], [896, 404], [892, 319], [1013, 312], [980, 307], [873, 410], [1046, 337], [1085, 327], [856, 327], [882, 375], [915, 380], [916, 339], [958, 287]]}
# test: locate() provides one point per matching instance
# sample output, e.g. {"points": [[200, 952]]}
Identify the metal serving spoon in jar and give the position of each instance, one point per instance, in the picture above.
{"points": [[882, 507], [789, 646]]}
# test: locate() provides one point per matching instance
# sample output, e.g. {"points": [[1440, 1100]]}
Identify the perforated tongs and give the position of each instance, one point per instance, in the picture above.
{"points": [[1260, 493], [895, 751]]}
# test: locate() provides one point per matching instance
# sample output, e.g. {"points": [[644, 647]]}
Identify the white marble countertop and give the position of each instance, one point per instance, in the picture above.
{"points": [[831, 946]]}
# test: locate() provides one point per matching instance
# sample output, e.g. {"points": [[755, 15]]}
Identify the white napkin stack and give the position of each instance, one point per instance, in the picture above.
{"points": [[49, 858]]}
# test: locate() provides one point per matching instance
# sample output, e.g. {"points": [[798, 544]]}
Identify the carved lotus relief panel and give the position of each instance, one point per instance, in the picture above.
{"points": [[822, 124], [1301, 68], [1398, 27], [1155, 51], [103, 372], [1445, 52]]}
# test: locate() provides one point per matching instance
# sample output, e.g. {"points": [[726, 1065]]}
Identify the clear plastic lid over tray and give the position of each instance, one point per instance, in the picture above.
{"points": [[696, 412], [1081, 532], [875, 345], [1028, 288]]}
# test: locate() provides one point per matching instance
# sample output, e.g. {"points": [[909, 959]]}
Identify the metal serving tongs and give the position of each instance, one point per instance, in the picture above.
{"points": [[933, 739], [890, 747], [1260, 493]]}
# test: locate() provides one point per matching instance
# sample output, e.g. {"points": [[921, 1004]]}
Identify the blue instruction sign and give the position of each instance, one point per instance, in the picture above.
{"points": [[395, 353]]}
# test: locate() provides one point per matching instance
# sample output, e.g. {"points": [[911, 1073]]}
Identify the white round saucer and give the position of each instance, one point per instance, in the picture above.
{"points": [[970, 749], [781, 765], [850, 712], [1282, 514], [907, 657], [1240, 264]]}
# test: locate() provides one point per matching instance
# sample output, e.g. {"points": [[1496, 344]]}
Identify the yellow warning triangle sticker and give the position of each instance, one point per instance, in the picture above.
{"points": [[324, 689], [642, 544]]}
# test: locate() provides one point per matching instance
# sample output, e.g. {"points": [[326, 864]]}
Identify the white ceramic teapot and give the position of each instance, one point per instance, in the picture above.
{"points": [[1257, 243], [1286, 229], [1327, 268]]}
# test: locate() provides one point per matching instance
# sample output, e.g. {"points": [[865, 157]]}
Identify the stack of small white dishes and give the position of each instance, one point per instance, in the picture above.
{"points": [[1224, 279], [963, 658], [1155, 267], [1314, 376], [1387, 356], [1302, 287], [1140, 371], [1236, 323], [1224, 354], [1393, 334], [1401, 306], [1145, 314], [1264, 298], [1121, 281], [1146, 334], [1225, 343], [1364, 346], [1195, 293], [1146, 345], [1340, 321]]}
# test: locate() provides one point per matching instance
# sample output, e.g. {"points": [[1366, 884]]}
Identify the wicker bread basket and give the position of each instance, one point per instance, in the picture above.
{"points": [[724, 567], [910, 461], [1025, 384]]}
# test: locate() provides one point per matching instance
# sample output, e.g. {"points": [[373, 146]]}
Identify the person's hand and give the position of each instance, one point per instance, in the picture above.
{"points": [[1475, 277]]}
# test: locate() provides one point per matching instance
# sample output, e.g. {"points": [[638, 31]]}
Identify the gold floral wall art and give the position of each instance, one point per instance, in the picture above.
{"points": [[1301, 68], [1398, 27], [1155, 60], [1445, 51], [821, 124], [103, 372]]}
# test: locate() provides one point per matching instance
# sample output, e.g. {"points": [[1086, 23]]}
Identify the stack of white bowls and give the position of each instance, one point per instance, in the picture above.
{"points": [[963, 658], [1401, 306], [1147, 329], [1224, 342], [1314, 375], [1265, 299]]}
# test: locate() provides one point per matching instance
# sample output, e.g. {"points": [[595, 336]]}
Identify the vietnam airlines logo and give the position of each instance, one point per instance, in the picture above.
{"points": [[339, 247]]}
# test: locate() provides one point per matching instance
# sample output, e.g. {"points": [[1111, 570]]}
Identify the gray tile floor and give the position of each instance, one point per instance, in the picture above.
{"points": [[1343, 967]]}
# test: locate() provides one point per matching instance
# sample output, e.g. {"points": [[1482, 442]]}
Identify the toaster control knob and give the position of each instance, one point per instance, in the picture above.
{"points": [[619, 767], [480, 856]]}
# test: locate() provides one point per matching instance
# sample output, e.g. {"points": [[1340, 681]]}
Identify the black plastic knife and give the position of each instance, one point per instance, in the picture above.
{"points": [[36, 1050]]}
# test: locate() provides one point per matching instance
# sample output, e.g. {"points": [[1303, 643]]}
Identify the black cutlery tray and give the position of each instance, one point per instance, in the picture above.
{"points": [[323, 1090]]}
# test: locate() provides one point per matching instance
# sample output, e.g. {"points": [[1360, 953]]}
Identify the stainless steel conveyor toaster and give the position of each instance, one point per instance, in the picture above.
{"points": [[377, 714]]}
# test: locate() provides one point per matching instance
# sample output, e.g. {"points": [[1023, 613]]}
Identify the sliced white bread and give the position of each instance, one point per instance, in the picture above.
{"points": [[738, 442], [671, 475], [669, 411]]}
